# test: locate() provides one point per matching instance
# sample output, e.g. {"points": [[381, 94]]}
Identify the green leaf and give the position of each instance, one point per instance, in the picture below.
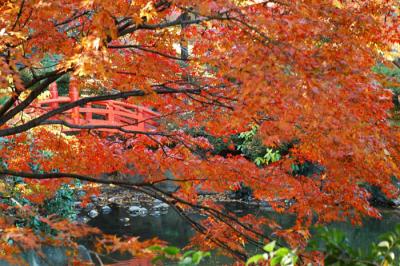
{"points": [[275, 261], [197, 256], [295, 259], [281, 252], [259, 161], [155, 248], [384, 244], [157, 258], [270, 246], [289, 260], [188, 253], [171, 250], [255, 259], [186, 262]]}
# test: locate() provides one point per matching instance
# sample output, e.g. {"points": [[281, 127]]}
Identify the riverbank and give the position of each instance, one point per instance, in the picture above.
{"points": [[140, 204]]}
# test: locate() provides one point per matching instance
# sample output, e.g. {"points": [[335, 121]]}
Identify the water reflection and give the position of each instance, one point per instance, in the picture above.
{"points": [[170, 227], [363, 236]]}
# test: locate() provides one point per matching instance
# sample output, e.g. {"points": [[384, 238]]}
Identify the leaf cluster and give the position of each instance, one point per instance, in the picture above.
{"points": [[188, 258], [337, 250], [275, 256]]}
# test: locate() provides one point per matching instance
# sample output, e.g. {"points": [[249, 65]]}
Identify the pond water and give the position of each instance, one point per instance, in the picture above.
{"points": [[172, 228]]}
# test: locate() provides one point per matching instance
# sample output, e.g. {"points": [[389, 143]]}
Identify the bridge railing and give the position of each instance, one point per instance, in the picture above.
{"points": [[100, 113]]}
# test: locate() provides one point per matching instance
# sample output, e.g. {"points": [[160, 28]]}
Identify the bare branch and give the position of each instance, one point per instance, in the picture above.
{"points": [[123, 95], [91, 127], [32, 96], [41, 176], [139, 47], [177, 22], [19, 14]]}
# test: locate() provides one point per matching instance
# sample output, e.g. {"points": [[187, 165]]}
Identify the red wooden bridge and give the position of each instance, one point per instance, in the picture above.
{"points": [[110, 113]]}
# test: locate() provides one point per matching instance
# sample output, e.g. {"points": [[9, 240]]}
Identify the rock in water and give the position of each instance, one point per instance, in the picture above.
{"points": [[157, 201], [124, 220], [112, 200], [155, 213], [164, 206], [143, 211], [94, 198], [161, 207], [106, 209], [80, 219], [134, 210], [93, 213]]}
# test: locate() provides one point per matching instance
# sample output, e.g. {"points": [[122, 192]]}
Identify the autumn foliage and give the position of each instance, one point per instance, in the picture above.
{"points": [[300, 70]]}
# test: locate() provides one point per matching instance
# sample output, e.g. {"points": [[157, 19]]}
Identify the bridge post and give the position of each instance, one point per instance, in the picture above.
{"points": [[88, 115], [54, 95], [140, 118], [110, 113], [74, 95]]}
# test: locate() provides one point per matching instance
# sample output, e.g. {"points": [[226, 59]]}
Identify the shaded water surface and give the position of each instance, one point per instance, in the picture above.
{"points": [[172, 228]]}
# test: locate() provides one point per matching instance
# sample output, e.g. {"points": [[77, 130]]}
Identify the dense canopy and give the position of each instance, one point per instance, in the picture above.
{"points": [[299, 70]]}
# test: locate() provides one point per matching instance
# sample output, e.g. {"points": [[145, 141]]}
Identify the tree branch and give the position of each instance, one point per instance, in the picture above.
{"points": [[32, 96], [57, 175], [141, 48], [123, 95], [75, 16], [90, 127], [177, 22], [19, 14]]}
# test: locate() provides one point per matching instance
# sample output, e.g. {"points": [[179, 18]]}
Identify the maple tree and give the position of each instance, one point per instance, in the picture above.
{"points": [[299, 70]]}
